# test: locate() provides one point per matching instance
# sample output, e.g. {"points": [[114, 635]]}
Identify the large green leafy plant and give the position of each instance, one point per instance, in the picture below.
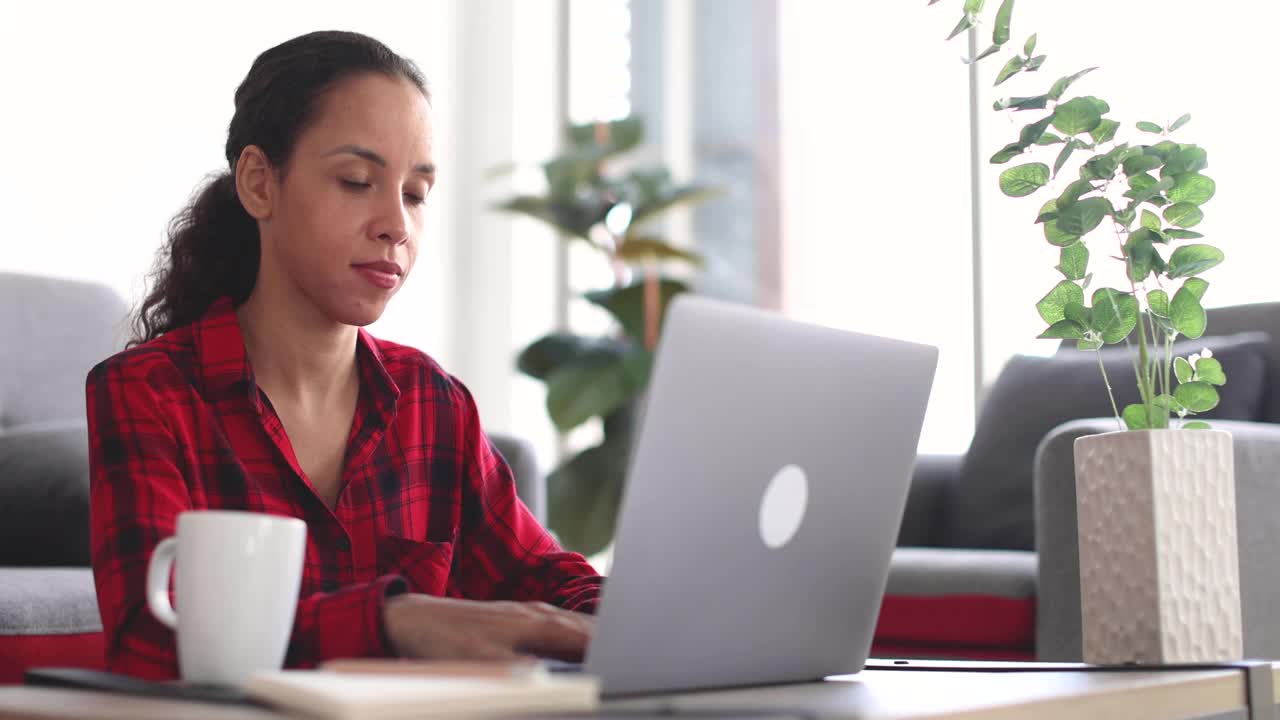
{"points": [[588, 201], [1137, 200]]}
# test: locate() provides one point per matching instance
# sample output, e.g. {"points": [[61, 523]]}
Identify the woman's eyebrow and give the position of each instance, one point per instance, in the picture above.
{"points": [[428, 169]]}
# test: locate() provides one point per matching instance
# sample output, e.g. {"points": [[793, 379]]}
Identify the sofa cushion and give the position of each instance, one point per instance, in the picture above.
{"points": [[55, 330], [973, 627], [48, 601], [48, 616], [65, 327], [991, 504], [44, 496], [19, 652], [952, 603], [933, 572]]}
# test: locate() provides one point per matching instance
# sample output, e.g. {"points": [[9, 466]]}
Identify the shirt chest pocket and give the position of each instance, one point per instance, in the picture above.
{"points": [[425, 565]]}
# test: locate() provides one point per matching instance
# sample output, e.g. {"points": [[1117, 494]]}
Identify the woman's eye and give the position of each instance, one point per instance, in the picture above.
{"points": [[415, 199], [354, 184]]}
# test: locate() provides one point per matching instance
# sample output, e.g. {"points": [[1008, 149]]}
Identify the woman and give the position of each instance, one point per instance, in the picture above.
{"points": [[251, 386]]}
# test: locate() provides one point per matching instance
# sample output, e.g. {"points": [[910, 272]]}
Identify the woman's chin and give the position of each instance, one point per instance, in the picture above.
{"points": [[359, 312]]}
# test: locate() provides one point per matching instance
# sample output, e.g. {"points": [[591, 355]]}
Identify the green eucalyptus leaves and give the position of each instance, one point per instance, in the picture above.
{"points": [[1134, 202]]}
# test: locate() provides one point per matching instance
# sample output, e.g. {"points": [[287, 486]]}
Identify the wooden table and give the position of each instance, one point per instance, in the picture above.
{"points": [[1217, 694], [917, 694]]}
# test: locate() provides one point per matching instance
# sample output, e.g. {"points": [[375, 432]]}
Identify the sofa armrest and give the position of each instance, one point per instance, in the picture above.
{"points": [[523, 462], [920, 572], [1257, 471], [958, 603], [931, 481]]}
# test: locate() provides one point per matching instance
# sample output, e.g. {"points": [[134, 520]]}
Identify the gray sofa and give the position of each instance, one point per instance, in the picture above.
{"points": [[1000, 520], [55, 330], [1257, 471]]}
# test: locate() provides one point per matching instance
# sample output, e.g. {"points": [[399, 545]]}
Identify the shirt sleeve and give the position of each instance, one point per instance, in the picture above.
{"points": [[137, 489], [505, 552]]}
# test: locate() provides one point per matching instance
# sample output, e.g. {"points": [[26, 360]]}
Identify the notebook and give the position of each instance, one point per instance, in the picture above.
{"points": [[347, 696]]}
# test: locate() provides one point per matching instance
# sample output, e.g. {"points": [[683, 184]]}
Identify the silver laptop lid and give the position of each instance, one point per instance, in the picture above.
{"points": [[713, 585]]}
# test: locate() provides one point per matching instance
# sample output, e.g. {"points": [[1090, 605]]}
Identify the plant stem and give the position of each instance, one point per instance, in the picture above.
{"points": [[1110, 395], [652, 305], [1153, 368], [616, 263], [1143, 366], [1144, 379]]}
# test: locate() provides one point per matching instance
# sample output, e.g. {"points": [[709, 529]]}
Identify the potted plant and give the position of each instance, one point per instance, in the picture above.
{"points": [[590, 200], [1156, 499]]}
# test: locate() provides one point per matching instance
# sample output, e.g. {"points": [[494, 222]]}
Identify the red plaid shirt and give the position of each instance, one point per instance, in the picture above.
{"points": [[427, 504]]}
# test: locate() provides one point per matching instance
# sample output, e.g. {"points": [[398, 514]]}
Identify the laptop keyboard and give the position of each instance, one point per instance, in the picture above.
{"points": [[561, 667]]}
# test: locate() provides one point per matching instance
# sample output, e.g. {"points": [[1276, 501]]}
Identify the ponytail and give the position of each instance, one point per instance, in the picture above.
{"points": [[211, 252]]}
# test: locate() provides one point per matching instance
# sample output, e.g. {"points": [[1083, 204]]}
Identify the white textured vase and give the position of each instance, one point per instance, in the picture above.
{"points": [[1159, 567]]}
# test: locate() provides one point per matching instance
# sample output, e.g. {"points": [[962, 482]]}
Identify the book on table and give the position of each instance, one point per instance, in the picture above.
{"points": [[356, 696]]}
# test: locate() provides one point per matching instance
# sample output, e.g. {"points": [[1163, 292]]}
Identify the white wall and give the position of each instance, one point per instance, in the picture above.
{"points": [[1158, 60], [114, 113], [875, 187], [505, 279], [117, 111]]}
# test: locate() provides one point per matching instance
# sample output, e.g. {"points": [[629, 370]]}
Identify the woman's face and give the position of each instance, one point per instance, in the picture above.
{"points": [[349, 208]]}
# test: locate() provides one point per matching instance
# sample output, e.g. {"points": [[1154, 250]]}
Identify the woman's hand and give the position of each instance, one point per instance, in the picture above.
{"points": [[424, 626]]}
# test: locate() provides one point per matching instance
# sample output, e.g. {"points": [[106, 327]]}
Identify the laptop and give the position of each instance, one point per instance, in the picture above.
{"points": [[762, 505]]}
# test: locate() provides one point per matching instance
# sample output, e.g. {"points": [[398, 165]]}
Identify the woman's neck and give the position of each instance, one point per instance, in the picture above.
{"points": [[295, 350]]}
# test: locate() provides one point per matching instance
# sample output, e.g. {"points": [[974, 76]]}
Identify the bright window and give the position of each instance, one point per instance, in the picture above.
{"points": [[875, 186], [1157, 59], [875, 154]]}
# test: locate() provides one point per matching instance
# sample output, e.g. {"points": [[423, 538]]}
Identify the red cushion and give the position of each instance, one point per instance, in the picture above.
{"points": [[888, 650], [981, 627], [979, 623], [19, 652]]}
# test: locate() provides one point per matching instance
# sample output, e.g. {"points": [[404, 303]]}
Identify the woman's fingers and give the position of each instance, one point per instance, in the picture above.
{"points": [[431, 627], [551, 632]]}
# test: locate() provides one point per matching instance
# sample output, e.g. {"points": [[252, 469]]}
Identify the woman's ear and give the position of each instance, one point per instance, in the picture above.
{"points": [[256, 182]]}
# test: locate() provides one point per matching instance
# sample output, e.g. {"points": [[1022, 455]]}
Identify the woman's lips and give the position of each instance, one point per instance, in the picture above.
{"points": [[377, 277]]}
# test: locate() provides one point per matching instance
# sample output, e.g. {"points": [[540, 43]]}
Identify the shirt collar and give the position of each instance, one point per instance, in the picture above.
{"points": [[223, 364], [374, 374]]}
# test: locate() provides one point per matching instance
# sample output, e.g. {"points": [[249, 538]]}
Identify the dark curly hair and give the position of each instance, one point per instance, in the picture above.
{"points": [[212, 248]]}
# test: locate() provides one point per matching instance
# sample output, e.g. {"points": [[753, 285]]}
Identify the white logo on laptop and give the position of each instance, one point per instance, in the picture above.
{"points": [[783, 505]]}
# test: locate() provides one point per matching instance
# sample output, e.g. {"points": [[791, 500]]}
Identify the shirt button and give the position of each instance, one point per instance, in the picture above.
{"points": [[344, 543]]}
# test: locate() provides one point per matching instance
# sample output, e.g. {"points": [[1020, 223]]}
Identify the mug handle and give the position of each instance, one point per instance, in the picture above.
{"points": [[159, 571]]}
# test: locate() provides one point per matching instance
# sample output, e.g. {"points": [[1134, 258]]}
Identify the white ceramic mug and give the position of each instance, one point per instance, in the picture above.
{"points": [[236, 588]]}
